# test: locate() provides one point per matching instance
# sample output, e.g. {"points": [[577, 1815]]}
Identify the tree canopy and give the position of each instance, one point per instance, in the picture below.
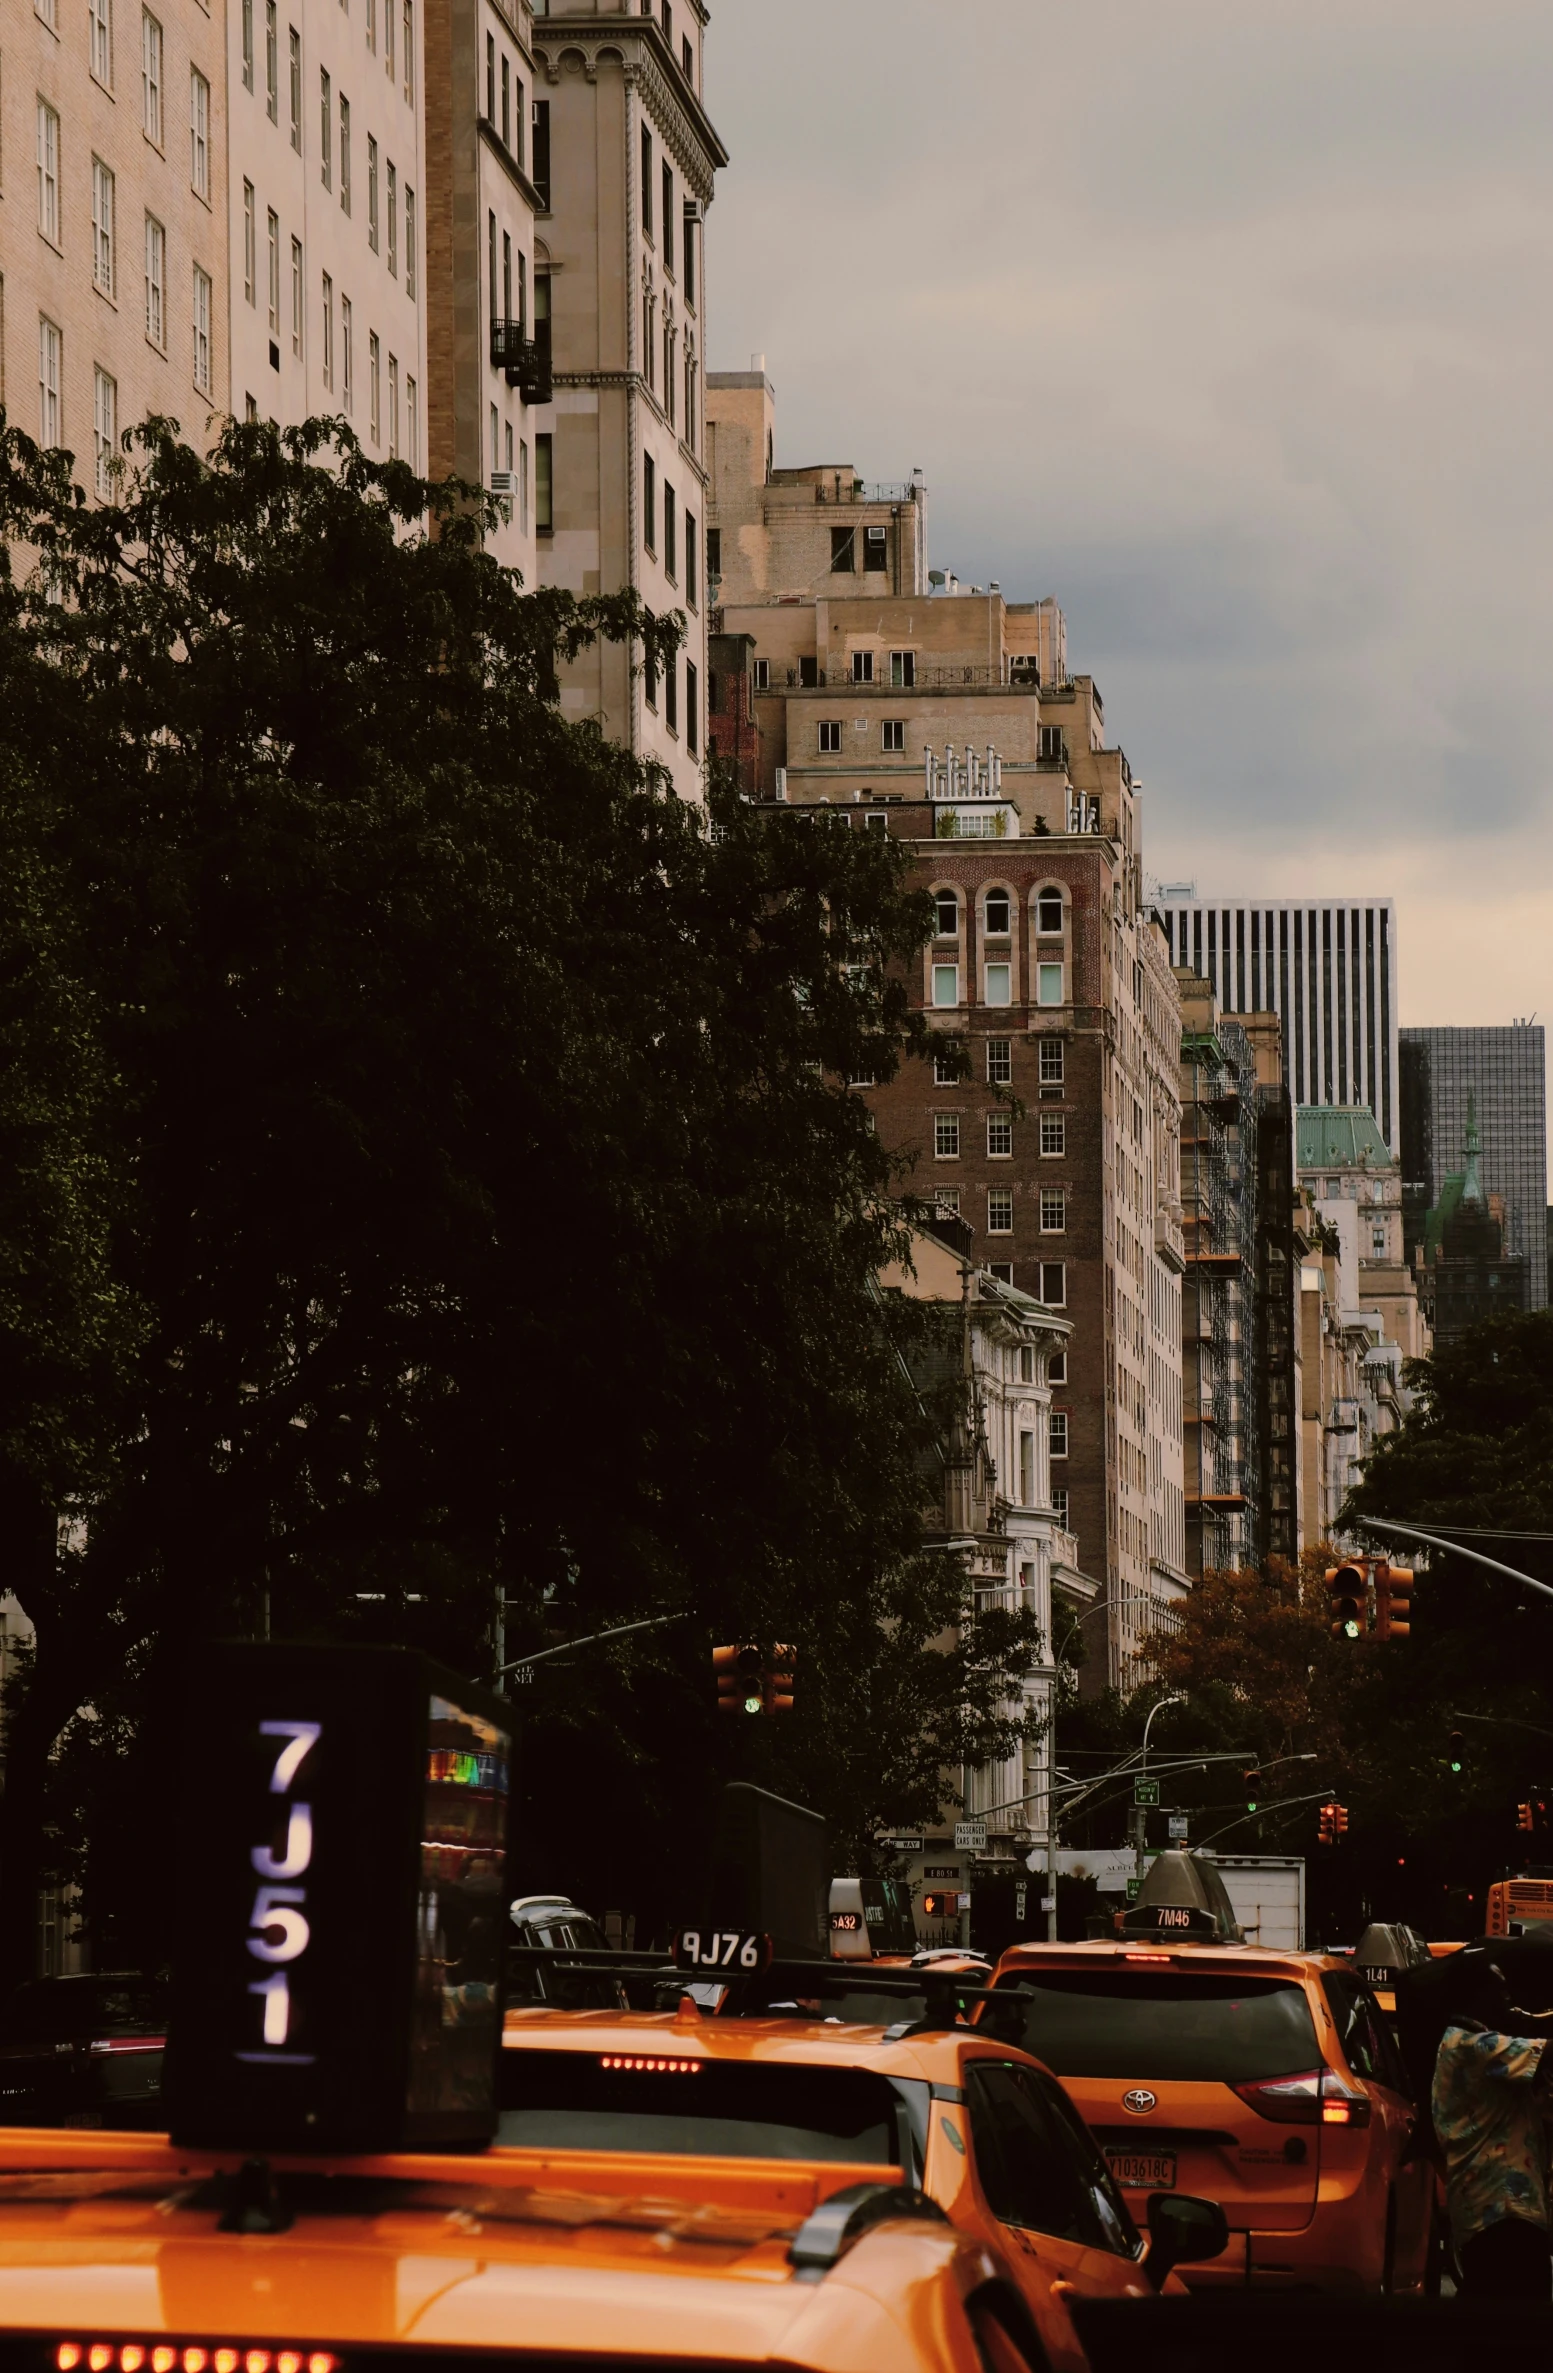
{"points": [[431, 1182]]}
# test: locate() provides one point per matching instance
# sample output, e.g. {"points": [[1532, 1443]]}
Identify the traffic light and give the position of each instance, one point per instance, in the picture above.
{"points": [[754, 1680], [778, 1678], [1253, 1782], [1456, 1751], [1393, 1601], [1341, 1812], [1328, 1830], [740, 1679], [1348, 1590]]}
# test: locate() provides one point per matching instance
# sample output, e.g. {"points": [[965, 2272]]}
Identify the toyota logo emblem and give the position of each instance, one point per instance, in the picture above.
{"points": [[1140, 2101]]}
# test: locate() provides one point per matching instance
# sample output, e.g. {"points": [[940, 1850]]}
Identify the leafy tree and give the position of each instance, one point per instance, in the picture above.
{"points": [[467, 1209]]}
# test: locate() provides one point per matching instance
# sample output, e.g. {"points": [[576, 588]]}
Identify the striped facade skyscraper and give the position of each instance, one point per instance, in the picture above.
{"points": [[1326, 967]]}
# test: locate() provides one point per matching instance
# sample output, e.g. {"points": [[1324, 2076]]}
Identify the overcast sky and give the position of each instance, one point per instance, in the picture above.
{"points": [[1228, 323]]}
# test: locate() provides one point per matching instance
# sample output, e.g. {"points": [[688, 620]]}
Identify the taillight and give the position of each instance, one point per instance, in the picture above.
{"points": [[130, 2043], [1315, 2099], [143, 2356]]}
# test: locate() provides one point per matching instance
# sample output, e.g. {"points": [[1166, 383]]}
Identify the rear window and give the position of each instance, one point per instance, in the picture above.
{"points": [[578, 2101], [61, 2010], [1146, 2024]]}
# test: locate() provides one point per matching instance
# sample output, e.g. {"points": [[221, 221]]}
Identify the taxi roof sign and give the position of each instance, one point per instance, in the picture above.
{"points": [[340, 1905], [1183, 1895]]}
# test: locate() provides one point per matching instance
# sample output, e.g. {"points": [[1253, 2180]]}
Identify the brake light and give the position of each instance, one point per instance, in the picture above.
{"points": [[649, 2066], [1148, 1956], [130, 2043], [137, 2356], [1315, 2099]]}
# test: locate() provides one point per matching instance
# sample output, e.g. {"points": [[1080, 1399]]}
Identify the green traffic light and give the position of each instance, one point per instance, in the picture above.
{"points": [[752, 1705], [1351, 1628]]}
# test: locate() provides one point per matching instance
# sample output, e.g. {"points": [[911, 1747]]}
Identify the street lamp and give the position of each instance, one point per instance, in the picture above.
{"points": [[1141, 1821]]}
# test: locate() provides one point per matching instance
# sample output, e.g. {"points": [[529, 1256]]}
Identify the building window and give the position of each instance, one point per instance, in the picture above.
{"points": [[271, 63], [1000, 1135], [1058, 1429], [670, 532], [541, 143], [862, 667], [894, 733], [202, 330], [1000, 1061], [273, 231], [48, 172], [328, 362], [1054, 1133], [372, 193], [409, 244], [1000, 1211], [903, 670], [388, 44], [409, 69], [1049, 984], [762, 675], [490, 78], [1057, 1368], [650, 503], [347, 355], [250, 242], [692, 555], [102, 227], [946, 1202], [650, 679], [393, 220], [100, 29], [1048, 912], [50, 359], [946, 984], [375, 387], [156, 282], [1051, 1062], [692, 723], [668, 217], [946, 1066], [295, 51], [1000, 984], [151, 70], [1378, 1243], [372, 26], [946, 1136], [544, 483], [843, 551], [325, 128], [1027, 1470], [997, 914], [876, 556], [1054, 1284], [646, 182], [105, 429], [297, 299], [199, 134], [412, 422], [946, 913], [671, 696], [345, 154], [830, 737], [393, 390], [1054, 1211]]}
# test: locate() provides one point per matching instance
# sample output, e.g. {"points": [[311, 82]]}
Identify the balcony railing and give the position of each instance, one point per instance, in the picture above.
{"points": [[938, 678], [525, 360]]}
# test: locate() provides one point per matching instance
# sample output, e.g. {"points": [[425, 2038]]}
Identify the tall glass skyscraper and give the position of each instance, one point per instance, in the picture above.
{"points": [[1504, 1071], [1326, 967]]}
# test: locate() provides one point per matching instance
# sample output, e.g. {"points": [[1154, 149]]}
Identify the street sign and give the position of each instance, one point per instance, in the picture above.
{"points": [[1180, 1828], [1132, 1889], [970, 1837], [900, 1845], [1145, 1792]]}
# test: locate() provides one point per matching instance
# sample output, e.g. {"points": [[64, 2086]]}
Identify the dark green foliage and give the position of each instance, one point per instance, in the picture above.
{"points": [[429, 1178]]}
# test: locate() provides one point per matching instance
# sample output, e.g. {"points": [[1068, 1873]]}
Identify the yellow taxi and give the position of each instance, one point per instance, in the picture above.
{"points": [[1267, 2081], [120, 2253], [977, 2126]]}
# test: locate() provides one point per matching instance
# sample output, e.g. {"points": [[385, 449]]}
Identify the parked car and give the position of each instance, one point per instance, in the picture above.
{"points": [[83, 2051]]}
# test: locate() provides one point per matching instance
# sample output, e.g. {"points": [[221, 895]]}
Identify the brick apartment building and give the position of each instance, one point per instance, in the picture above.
{"points": [[948, 718]]}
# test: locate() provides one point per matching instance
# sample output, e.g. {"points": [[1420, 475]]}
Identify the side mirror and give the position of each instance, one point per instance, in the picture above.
{"points": [[1182, 2231]]}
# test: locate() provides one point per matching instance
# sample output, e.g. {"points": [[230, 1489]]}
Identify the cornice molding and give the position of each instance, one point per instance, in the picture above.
{"points": [[681, 121]]}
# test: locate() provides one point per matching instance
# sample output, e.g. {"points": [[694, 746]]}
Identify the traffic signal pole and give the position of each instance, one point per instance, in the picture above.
{"points": [[1414, 1532]]}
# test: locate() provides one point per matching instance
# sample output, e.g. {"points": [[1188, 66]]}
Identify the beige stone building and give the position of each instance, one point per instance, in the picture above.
{"points": [[947, 717], [632, 156], [113, 220]]}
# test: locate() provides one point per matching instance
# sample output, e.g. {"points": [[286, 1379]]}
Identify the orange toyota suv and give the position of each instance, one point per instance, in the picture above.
{"points": [[1267, 2081]]}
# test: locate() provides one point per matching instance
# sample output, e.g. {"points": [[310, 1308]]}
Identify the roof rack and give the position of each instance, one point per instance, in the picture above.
{"points": [[827, 2233]]}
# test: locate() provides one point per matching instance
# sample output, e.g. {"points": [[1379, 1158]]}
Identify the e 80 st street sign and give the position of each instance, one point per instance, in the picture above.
{"points": [[1145, 1792]]}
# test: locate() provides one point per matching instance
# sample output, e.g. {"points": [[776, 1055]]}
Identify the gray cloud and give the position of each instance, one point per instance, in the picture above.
{"points": [[1228, 323]]}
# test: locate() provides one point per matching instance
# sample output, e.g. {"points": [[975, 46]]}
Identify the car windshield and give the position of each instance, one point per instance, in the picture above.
{"points": [[653, 2101], [1198, 2027], [58, 2010]]}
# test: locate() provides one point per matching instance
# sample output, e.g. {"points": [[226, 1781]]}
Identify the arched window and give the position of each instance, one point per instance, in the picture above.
{"points": [[997, 913], [947, 908], [1048, 911]]}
